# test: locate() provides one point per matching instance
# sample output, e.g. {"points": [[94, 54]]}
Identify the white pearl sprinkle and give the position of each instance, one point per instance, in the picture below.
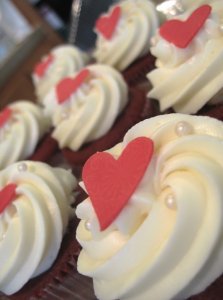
{"points": [[22, 167], [221, 27], [64, 115], [87, 225], [170, 201], [183, 128]]}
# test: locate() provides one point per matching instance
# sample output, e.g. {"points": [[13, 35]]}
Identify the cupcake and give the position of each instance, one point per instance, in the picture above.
{"points": [[62, 61], [36, 206], [123, 38], [91, 111], [189, 52], [22, 128], [152, 225]]}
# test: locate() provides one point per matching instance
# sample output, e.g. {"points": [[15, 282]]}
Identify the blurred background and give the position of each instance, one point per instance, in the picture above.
{"points": [[14, 27], [29, 29], [58, 14]]}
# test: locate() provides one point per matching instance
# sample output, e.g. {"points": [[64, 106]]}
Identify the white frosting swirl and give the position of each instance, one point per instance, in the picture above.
{"points": [[186, 79], [90, 112], [217, 6], [67, 59], [22, 132], [136, 26], [167, 241], [32, 226]]}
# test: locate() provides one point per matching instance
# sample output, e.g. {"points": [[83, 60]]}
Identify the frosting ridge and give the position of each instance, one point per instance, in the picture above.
{"points": [[137, 24], [104, 93], [187, 79], [164, 256], [66, 60], [32, 226], [27, 122]]}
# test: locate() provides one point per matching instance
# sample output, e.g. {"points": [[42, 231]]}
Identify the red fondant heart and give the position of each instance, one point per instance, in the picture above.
{"points": [[182, 33], [66, 87], [5, 116], [106, 25], [7, 195], [40, 68], [110, 182]]}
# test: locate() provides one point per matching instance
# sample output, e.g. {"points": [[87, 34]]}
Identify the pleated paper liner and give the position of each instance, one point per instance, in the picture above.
{"points": [[136, 73], [64, 267]]}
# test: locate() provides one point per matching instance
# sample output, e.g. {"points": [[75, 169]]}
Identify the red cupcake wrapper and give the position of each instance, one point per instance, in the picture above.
{"points": [[45, 149], [46, 284], [213, 111], [137, 71]]}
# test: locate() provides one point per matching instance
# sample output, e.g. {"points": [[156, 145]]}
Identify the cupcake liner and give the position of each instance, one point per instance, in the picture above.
{"points": [[52, 281], [45, 149], [213, 292], [137, 109], [136, 72], [213, 111], [65, 264], [75, 286]]}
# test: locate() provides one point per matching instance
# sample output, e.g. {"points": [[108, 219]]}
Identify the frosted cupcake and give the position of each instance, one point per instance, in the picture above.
{"points": [[189, 62], [162, 236], [123, 36], [35, 210], [22, 126], [62, 61], [92, 109]]}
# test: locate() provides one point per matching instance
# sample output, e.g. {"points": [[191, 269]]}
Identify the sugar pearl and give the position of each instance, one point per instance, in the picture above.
{"points": [[183, 128], [87, 225], [64, 115], [22, 167], [170, 201]]}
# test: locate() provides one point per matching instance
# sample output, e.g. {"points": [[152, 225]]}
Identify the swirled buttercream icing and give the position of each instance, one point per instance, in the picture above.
{"points": [[131, 37], [60, 62], [217, 6], [90, 111], [166, 243], [188, 78], [33, 224], [21, 132]]}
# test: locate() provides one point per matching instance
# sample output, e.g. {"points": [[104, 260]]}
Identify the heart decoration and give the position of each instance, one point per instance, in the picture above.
{"points": [[110, 182], [181, 33], [106, 25], [5, 116], [40, 68], [66, 87], [7, 195]]}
